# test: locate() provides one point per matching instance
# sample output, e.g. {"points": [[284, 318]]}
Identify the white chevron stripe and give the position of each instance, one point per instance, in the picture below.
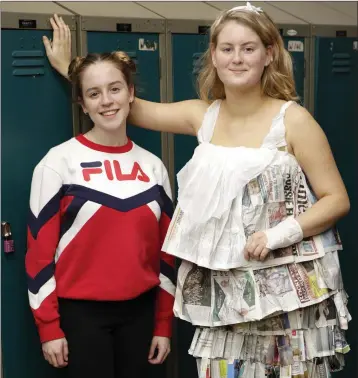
{"points": [[154, 206], [166, 284], [87, 211], [41, 194], [44, 292]]}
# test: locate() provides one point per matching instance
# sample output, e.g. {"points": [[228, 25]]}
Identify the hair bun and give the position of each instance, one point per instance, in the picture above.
{"points": [[124, 57], [74, 66]]}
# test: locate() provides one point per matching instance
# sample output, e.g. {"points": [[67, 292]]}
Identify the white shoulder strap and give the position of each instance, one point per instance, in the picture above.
{"points": [[276, 138], [284, 107], [207, 127]]}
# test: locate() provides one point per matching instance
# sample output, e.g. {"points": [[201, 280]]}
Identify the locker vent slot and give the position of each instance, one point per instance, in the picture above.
{"points": [[28, 63], [26, 66], [29, 72], [341, 63], [28, 54], [341, 70]]}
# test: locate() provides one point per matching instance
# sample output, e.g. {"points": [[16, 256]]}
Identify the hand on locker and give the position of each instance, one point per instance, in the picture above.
{"points": [[58, 50]]}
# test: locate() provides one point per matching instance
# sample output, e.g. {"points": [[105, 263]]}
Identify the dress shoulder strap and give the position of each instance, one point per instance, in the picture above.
{"points": [[276, 138], [207, 127]]}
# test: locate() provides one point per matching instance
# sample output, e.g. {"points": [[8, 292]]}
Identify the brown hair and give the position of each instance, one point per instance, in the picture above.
{"points": [[119, 58], [277, 80]]}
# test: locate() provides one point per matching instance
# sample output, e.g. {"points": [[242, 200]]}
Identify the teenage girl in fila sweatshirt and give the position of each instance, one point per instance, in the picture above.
{"points": [[100, 288]]}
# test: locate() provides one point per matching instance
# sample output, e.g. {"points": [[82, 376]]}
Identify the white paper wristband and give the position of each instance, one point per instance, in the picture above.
{"points": [[286, 233]]}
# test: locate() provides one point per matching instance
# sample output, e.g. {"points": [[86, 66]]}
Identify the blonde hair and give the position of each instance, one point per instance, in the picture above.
{"points": [[277, 80], [79, 64]]}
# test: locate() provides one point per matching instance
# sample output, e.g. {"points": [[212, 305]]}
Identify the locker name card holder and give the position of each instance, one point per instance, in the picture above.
{"points": [[147, 45], [27, 24], [124, 28], [295, 46], [203, 29]]}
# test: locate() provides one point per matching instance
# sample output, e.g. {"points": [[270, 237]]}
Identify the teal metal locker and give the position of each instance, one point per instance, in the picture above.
{"points": [[36, 115], [187, 51], [298, 58], [336, 110], [147, 78]]}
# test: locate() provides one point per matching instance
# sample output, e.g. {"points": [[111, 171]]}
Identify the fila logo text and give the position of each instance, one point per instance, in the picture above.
{"points": [[113, 170]]}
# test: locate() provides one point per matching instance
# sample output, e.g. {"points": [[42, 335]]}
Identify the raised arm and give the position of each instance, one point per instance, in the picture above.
{"points": [[58, 50], [183, 117]]}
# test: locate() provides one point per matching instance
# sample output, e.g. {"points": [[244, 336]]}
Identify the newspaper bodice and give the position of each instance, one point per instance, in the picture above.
{"points": [[227, 193]]}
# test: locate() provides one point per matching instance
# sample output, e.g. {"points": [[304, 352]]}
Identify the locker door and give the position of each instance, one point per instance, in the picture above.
{"points": [[187, 50], [36, 115], [296, 46], [147, 77], [336, 110]]}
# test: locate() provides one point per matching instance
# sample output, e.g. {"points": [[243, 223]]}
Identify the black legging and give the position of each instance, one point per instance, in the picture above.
{"points": [[108, 339]]}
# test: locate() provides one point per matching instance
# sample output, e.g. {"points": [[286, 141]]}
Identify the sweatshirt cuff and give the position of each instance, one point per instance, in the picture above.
{"points": [[50, 331], [163, 328]]}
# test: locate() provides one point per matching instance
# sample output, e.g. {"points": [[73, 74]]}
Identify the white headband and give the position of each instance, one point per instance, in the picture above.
{"points": [[247, 7]]}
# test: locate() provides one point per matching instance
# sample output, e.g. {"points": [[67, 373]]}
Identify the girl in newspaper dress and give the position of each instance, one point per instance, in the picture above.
{"points": [[257, 205]]}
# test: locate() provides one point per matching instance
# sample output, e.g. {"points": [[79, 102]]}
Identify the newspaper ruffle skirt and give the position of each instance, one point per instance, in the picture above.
{"points": [[303, 343], [287, 321]]}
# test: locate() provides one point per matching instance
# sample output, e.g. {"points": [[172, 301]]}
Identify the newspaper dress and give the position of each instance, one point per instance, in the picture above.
{"points": [[284, 317]]}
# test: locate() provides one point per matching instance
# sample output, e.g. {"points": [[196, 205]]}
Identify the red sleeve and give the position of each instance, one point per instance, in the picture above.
{"points": [[43, 236], [165, 300]]}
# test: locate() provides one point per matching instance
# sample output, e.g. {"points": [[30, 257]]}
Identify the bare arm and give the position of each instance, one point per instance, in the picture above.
{"points": [[182, 117], [311, 148]]}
